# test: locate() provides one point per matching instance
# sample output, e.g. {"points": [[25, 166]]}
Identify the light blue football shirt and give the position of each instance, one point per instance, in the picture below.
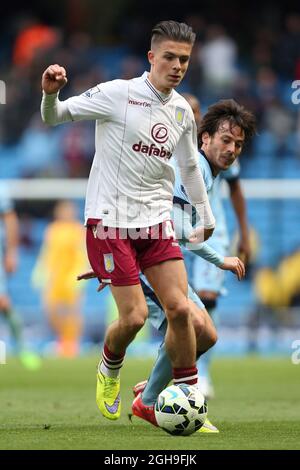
{"points": [[213, 188], [6, 205]]}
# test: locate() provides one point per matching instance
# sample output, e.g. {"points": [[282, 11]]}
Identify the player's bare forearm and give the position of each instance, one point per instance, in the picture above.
{"points": [[86, 276], [91, 275], [239, 204], [235, 265], [54, 79]]}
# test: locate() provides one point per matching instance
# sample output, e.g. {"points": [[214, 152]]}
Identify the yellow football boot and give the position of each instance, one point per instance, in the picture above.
{"points": [[108, 396], [208, 427]]}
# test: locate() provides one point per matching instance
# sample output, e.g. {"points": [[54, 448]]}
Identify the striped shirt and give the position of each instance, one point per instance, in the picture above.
{"points": [[137, 131]]}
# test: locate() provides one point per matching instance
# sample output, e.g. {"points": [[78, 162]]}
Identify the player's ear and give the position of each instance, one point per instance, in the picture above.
{"points": [[151, 57], [205, 137]]}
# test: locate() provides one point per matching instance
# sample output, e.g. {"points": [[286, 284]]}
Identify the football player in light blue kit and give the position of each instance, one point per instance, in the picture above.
{"points": [[8, 259], [223, 131], [205, 277], [9, 239]]}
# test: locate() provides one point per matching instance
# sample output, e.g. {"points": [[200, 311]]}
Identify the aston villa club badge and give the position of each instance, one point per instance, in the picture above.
{"points": [[109, 262], [179, 115]]}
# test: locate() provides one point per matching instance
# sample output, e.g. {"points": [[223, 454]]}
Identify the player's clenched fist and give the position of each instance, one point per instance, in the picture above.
{"points": [[54, 79]]}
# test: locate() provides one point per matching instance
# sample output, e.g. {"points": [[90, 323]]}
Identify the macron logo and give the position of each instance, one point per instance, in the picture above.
{"points": [[140, 103]]}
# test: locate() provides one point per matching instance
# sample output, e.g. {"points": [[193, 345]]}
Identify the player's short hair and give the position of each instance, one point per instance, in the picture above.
{"points": [[172, 30], [227, 110]]}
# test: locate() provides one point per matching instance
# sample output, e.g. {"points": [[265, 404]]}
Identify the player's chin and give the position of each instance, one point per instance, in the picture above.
{"points": [[225, 165], [174, 81]]}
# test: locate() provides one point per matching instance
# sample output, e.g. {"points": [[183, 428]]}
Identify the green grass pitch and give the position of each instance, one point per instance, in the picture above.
{"points": [[257, 407]]}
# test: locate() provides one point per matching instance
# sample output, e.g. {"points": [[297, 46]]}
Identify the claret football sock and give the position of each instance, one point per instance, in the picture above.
{"points": [[110, 363], [185, 375]]}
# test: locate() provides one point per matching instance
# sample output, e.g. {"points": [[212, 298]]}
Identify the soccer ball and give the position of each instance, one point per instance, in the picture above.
{"points": [[180, 409]]}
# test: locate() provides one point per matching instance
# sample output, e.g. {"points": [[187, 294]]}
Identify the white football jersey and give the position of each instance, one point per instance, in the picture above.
{"points": [[137, 131]]}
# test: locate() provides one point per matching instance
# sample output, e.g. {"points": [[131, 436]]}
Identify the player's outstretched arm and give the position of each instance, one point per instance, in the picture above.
{"points": [[183, 231], [239, 204], [200, 234], [86, 276], [187, 159], [235, 265], [54, 79], [91, 275]]}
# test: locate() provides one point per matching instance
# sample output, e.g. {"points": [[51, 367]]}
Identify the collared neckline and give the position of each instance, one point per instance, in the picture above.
{"points": [[162, 97], [210, 165]]}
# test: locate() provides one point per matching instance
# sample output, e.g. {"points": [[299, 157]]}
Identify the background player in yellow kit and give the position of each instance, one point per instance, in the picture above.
{"points": [[62, 254]]}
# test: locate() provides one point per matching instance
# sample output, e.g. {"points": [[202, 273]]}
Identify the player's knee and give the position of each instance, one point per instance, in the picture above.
{"points": [[213, 337], [178, 311], [206, 337], [134, 324], [135, 320], [199, 325]]}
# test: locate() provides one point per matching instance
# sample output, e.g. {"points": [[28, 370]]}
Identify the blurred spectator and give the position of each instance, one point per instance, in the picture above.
{"points": [[266, 86], [277, 292], [131, 67], [280, 287], [78, 149], [194, 76], [218, 57], [244, 92], [198, 23], [36, 38], [264, 43], [281, 123], [40, 151], [266, 91], [287, 53], [32, 43]]}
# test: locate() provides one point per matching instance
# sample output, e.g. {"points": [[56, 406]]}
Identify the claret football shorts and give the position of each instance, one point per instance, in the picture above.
{"points": [[117, 255]]}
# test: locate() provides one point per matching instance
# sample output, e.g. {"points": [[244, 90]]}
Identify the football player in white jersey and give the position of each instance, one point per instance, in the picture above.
{"points": [[140, 123], [223, 130]]}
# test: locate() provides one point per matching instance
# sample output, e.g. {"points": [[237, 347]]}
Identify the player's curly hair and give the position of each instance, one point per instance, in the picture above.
{"points": [[173, 31], [227, 110]]}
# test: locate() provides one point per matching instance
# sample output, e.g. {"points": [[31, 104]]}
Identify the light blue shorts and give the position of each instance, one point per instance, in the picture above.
{"points": [[203, 275], [156, 314]]}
